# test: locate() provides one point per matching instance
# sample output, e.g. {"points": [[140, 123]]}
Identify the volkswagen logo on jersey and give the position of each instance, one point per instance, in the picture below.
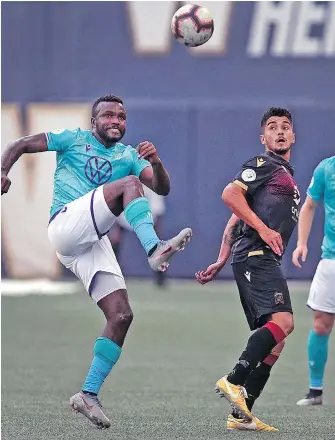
{"points": [[98, 170]]}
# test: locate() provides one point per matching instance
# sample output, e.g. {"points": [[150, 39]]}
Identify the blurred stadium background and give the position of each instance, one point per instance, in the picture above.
{"points": [[202, 108]]}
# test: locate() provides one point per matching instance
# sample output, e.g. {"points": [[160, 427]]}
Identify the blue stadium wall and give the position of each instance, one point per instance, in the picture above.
{"points": [[201, 110]]}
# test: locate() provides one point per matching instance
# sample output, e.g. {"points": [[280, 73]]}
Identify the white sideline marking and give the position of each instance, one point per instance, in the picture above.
{"points": [[38, 287]]}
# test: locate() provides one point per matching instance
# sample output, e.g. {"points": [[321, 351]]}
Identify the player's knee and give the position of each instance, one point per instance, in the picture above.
{"points": [[133, 182], [124, 319], [124, 185], [322, 325], [285, 321], [288, 324]]}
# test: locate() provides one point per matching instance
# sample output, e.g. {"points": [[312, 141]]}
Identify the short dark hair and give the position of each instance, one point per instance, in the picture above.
{"points": [[275, 111], [106, 98]]}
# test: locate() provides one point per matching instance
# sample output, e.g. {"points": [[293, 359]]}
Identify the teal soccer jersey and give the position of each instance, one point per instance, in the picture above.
{"points": [[83, 164], [322, 187]]}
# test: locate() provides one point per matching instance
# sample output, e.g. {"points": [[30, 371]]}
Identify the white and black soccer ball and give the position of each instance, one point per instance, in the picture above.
{"points": [[192, 25]]}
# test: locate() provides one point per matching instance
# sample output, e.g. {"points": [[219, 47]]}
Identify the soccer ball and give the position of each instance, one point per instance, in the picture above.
{"points": [[192, 25]]}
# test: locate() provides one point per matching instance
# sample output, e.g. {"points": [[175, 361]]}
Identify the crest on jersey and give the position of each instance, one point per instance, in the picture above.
{"points": [[279, 298], [248, 175], [98, 170]]}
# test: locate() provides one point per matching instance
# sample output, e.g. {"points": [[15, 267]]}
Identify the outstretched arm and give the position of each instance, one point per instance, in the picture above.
{"points": [[228, 239], [305, 222], [28, 144]]}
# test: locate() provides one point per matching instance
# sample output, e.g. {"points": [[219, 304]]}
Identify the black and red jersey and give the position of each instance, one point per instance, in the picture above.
{"points": [[274, 197]]}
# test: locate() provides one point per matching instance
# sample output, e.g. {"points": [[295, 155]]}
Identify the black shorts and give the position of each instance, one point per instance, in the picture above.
{"points": [[263, 289]]}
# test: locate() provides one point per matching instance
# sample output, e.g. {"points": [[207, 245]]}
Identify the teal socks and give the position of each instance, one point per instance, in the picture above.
{"points": [[106, 354], [317, 358], [139, 216]]}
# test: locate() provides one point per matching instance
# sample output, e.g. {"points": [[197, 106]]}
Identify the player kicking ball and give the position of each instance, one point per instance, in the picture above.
{"points": [[96, 179], [264, 199], [322, 292]]}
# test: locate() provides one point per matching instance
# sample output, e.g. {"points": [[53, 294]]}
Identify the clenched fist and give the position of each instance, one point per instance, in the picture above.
{"points": [[147, 151], [5, 183]]}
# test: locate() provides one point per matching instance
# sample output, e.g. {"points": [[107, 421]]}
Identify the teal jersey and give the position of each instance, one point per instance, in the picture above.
{"points": [[83, 164], [322, 187]]}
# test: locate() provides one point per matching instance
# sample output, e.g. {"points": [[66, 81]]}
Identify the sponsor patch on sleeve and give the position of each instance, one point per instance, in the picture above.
{"points": [[248, 175]]}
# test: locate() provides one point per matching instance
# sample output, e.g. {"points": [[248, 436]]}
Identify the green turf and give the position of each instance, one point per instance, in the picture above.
{"points": [[182, 340]]}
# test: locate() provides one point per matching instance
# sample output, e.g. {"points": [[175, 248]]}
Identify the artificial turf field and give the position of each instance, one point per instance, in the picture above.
{"points": [[182, 339]]}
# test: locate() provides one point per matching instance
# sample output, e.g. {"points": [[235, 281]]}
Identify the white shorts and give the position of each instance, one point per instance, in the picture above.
{"points": [[78, 235], [322, 293]]}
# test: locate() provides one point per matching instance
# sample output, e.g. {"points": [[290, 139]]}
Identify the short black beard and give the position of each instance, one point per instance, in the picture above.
{"points": [[282, 151]]}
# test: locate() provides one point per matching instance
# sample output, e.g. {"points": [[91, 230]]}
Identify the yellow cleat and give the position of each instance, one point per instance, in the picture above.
{"points": [[246, 425], [236, 395]]}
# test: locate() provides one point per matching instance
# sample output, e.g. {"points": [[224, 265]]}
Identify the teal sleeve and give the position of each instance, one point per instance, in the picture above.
{"points": [[317, 186], [138, 164], [60, 140]]}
